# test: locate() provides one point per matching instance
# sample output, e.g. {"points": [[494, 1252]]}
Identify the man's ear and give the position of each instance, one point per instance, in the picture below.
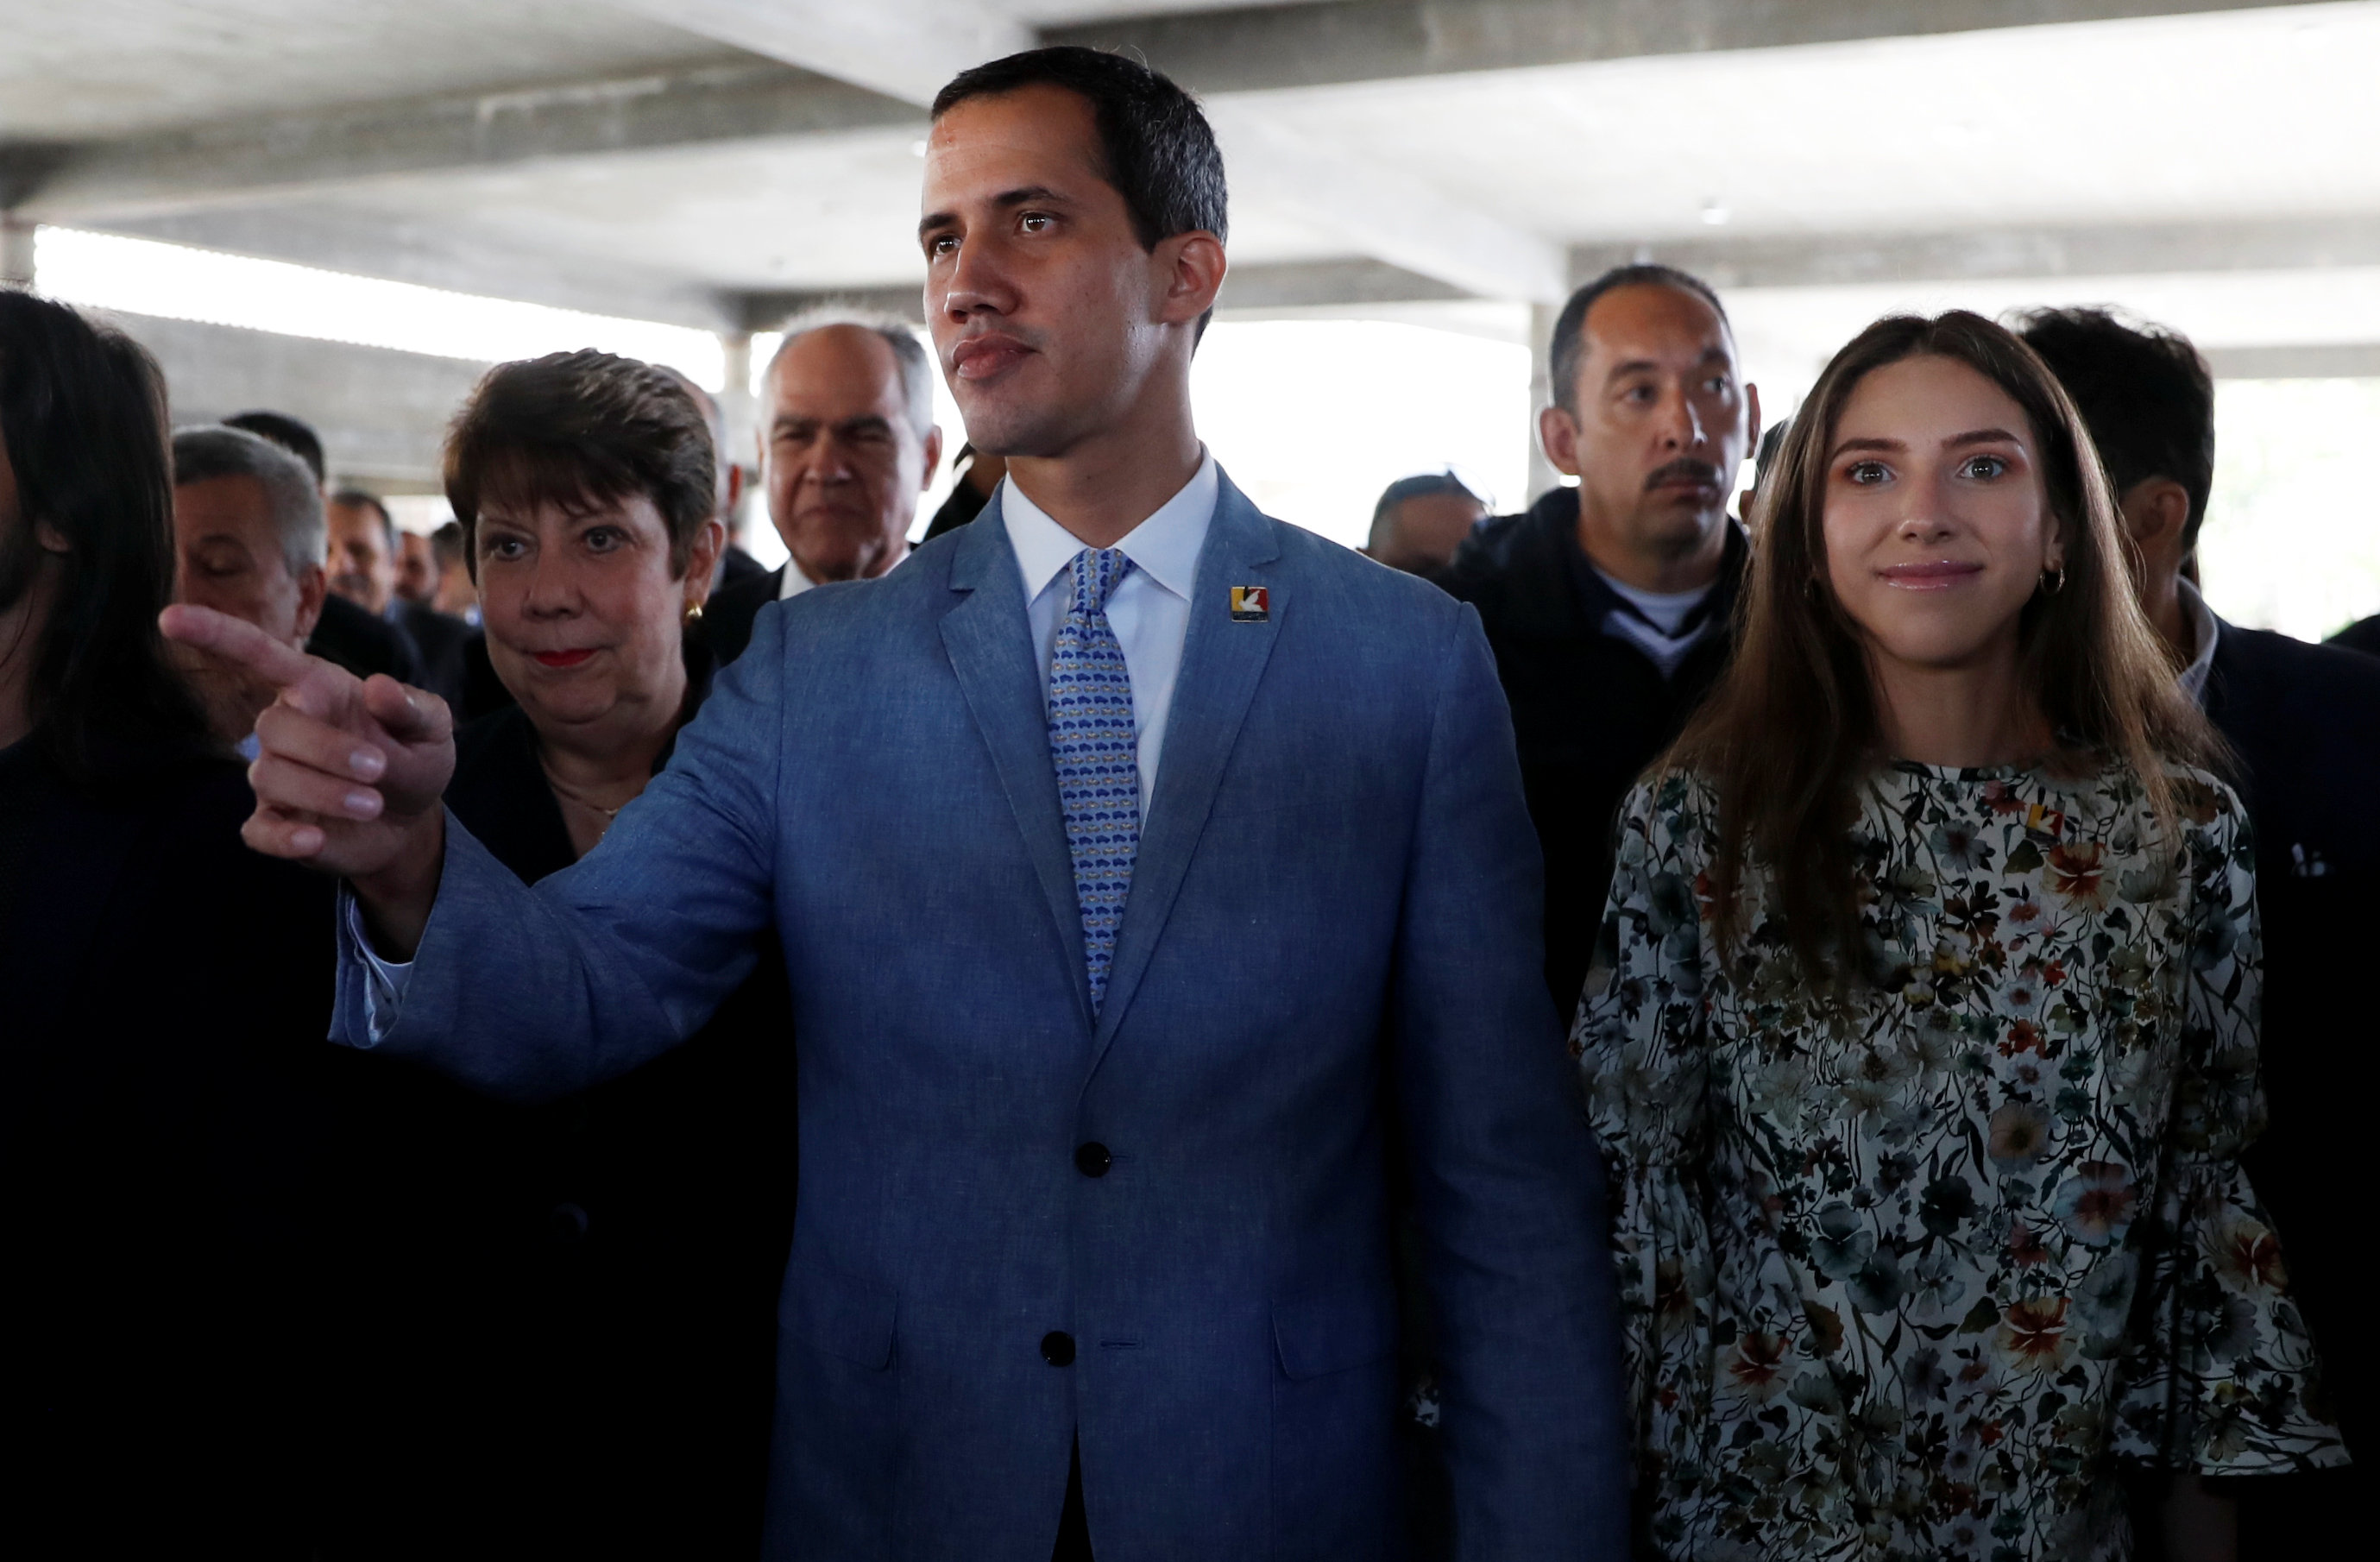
{"points": [[312, 582], [2155, 511], [702, 559], [1557, 434], [1189, 268], [735, 486], [933, 456]]}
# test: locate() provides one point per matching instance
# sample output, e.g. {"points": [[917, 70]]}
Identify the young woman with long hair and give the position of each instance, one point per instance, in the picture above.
{"points": [[1922, 1025]]}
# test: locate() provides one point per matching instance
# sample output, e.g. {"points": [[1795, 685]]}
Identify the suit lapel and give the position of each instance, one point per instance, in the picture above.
{"points": [[991, 651], [1222, 661]]}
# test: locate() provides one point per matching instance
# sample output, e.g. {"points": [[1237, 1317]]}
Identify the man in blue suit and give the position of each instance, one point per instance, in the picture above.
{"points": [[1148, 872]]}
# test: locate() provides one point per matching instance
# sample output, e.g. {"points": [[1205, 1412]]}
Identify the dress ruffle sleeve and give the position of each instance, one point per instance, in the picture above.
{"points": [[2227, 1381], [1643, 1050]]}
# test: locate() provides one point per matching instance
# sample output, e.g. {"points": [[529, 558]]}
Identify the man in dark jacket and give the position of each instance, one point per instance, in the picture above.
{"points": [[2303, 723], [1610, 605]]}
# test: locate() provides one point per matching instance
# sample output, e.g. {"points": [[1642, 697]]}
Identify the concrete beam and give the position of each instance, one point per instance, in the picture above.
{"points": [[2329, 360], [1380, 212], [904, 49], [910, 48], [382, 414], [16, 251], [1289, 286], [1268, 47], [2114, 250], [242, 161]]}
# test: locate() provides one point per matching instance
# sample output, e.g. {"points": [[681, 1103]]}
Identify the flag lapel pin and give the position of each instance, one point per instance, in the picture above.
{"points": [[1251, 604]]}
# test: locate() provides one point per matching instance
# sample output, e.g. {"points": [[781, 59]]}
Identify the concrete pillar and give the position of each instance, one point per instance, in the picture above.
{"points": [[1542, 476], [16, 249], [735, 393]]}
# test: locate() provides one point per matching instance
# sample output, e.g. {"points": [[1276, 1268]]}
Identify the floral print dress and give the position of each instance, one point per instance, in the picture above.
{"points": [[1913, 1276]]}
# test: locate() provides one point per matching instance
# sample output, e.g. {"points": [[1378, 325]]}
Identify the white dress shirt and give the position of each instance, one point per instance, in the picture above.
{"points": [[791, 581], [1149, 611], [2204, 628]]}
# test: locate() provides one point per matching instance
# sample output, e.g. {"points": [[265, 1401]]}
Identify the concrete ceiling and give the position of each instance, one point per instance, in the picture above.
{"points": [[706, 168]]}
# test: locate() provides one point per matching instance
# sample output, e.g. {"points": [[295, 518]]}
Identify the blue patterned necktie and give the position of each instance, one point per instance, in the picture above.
{"points": [[1097, 750]]}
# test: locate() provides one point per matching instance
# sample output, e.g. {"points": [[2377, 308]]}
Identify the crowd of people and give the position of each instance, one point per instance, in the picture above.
{"points": [[547, 1038]]}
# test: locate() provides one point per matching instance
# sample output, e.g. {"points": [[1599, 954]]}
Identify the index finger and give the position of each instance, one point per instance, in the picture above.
{"points": [[236, 641]]}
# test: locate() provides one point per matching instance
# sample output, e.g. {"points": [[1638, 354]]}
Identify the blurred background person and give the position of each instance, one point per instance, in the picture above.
{"points": [[2304, 725], [367, 553], [248, 540], [455, 594], [978, 474], [734, 565], [171, 1132], [2362, 635], [848, 447], [1924, 1027], [623, 1247], [417, 571], [351, 637], [1610, 605], [1418, 522]]}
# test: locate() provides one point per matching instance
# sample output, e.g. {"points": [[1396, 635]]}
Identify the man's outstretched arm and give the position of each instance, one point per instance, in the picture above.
{"points": [[520, 991], [348, 776]]}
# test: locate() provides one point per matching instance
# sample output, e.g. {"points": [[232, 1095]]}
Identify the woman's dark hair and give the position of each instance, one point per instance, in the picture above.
{"points": [[1159, 149], [1791, 730], [82, 411], [579, 431]]}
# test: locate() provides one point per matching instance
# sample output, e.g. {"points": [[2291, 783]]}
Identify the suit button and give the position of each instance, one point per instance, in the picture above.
{"points": [[1092, 1160], [1057, 1348]]}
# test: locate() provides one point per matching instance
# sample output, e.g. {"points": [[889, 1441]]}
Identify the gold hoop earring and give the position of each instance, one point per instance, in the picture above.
{"points": [[2052, 588]]}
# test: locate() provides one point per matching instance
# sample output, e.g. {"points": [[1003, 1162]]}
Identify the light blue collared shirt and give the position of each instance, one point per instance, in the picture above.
{"points": [[1150, 612]]}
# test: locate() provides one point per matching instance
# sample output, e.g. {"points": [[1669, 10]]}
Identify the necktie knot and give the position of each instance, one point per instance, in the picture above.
{"points": [[1097, 571]]}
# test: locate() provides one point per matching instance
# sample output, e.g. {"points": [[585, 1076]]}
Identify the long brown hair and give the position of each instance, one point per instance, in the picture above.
{"points": [[1791, 731]]}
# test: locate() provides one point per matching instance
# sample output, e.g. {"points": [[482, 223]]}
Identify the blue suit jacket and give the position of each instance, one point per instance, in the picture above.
{"points": [[1331, 942]]}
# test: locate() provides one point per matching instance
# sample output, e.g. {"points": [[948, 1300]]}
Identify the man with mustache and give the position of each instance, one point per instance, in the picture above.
{"points": [[1147, 873], [1609, 604]]}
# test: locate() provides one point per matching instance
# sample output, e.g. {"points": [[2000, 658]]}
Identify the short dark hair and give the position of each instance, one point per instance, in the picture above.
{"points": [[2145, 395], [82, 414], [1419, 486], [447, 545], [298, 439], [210, 450], [358, 498], [1569, 344], [580, 430], [1158, 150]]}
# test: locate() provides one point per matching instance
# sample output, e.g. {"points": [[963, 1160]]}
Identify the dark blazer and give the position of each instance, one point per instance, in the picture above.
{"points": [[2305, 722], [363, 644], [727, 623], [1158, 1230], [609, 1389], [176, 1166], [2363, 635], [438, 638], [1589, 711]]}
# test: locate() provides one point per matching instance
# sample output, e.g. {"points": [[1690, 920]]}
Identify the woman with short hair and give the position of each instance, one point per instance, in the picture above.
{"points": [[1922, 1025], [625, 1245]]}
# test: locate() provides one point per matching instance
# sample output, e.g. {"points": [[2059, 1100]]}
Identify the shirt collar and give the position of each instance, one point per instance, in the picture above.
{"points": [[1164, 547], [2204, 628], [792, 582]]}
